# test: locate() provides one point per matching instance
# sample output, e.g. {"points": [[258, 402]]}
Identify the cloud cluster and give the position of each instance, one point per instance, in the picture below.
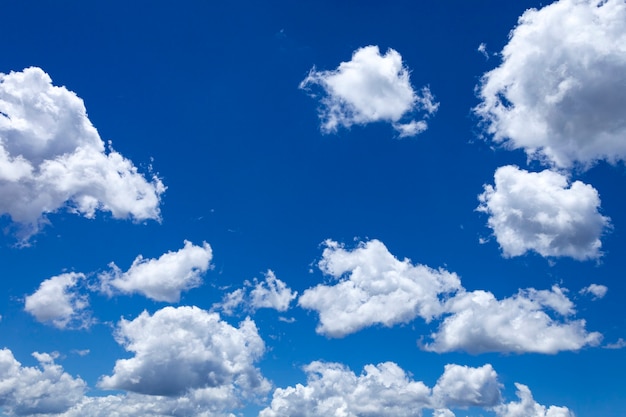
{"points": [[27, 391], [386, 390], [51, 157], [161, 279], [374, 287], [181, 349], [544, 213], [269, 293], [370, 88], [559, 92], [57, 302]]}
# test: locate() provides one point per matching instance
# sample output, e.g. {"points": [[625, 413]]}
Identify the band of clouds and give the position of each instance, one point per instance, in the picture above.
{"points": [[52, 158], [371, 88], [384, 389], [372, 287]]}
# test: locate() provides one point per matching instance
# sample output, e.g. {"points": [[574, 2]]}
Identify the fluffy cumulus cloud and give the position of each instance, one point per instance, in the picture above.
{"points": [[463, 386], [57, 302], [544, 213], [596, 290], [178, 350], [161, 279], [528, 407], [478, 323], [560, 92], [269, 293], [371, 88], [42, 390], [333, 390], [51, 157], [374, 287]]}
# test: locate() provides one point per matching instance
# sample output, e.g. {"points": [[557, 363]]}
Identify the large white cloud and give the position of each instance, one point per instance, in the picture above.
{"points": [[161, 279], [544, 213], [560, 91], [51, 157], [181, 349], [374, 287], [28, 391], [528, 407], [371, 88], [480, 323], [56, 301], [464, 386]]}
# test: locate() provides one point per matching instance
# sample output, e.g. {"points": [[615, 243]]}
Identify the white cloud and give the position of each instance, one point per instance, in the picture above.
{"points": [[559, 92], [619, 344], [27, 391], [527, 407], [161, 279], [56, 301], [271, 293], [374, 287], [181, 349], [543, 212], [371, 88], [463, 386], [51, 157], [333, 390], [598, 291], [480, 323]]}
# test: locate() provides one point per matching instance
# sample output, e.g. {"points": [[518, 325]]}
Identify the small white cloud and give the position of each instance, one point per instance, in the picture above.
{"points": [[181, 349], [480, 323], [619, 344], [544, 213], [374, 287], [51, 157], [528, 407], [482, 48], [598, 291], [57, 302], [463, 386], [28, 391], [371, 88], [161, 279], [559, 93]]}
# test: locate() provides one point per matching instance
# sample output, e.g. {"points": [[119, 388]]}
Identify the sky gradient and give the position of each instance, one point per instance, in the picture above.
{"points": [[313, 209]]}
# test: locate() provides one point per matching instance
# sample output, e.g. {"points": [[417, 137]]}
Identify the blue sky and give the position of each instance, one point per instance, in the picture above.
{"points": [[313, 208]]}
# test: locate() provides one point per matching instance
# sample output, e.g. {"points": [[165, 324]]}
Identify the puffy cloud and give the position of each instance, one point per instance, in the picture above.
{"points": [[186, 348], [57, 302], [269, 293], [334, 390], [527, 407], [559, 92], [46, 389], [598, 291], [371, 88], [161, 279], [52, 157], [480, 323], [374, 287], [463, 386], [543, 212]]}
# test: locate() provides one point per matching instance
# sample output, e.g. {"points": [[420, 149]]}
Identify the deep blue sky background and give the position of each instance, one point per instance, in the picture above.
{"points": [[207, 94]]}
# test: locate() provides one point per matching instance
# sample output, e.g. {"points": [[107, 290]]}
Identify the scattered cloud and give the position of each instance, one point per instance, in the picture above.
{"points": [[161, 279], [544, 213], [371, 88], [374, 287], [51, 157], [57, 302], [186, 348], [482, 48], [527, 407], [619, 344], [596, 290], [480, 323], [463, 386], [45, 389], [559, 92], [269, 293]]}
